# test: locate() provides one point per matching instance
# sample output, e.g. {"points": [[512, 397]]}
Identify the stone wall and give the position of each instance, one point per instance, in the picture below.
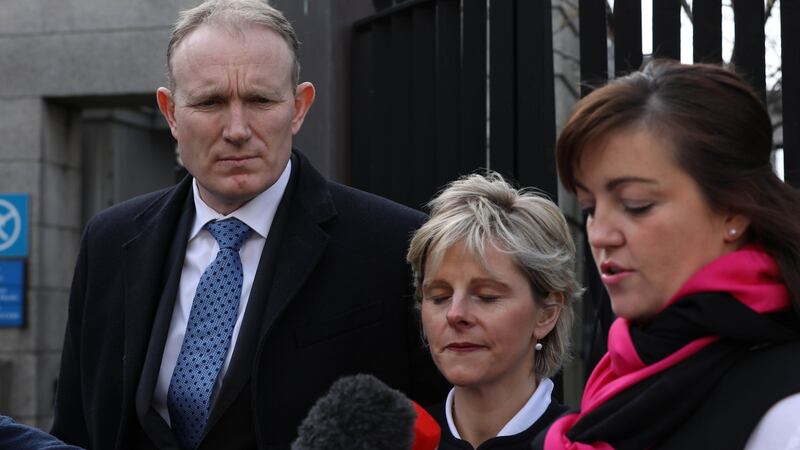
{"points": [[60, 58]]}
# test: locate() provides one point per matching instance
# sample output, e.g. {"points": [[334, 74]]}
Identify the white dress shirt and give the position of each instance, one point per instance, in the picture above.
{"points": [[531, 412], [779, 429], [201, 249]]}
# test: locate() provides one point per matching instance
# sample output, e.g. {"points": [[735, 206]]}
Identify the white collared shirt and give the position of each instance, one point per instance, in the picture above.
{"points": [[201, 249], [525, 417], [779, 428]]}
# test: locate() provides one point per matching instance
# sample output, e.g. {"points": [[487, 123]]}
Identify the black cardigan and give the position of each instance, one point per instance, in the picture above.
{"points": [[517, 441]]}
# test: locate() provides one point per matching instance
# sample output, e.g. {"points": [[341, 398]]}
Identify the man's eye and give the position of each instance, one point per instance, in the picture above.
{"points": [[207, 102], [488, 298], [587, 211]]}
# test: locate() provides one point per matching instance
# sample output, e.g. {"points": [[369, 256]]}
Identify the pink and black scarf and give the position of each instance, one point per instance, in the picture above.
{"points": [[655, 375]]}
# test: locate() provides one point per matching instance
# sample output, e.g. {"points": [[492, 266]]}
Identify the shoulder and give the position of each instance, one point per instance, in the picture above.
{"points": [[371, 221], [749, 388], [522, 440], [447, 440], [774, 372], [16, 435], [437, 412], [553, 412], [129, 209], [145, 206], [779, 427], [340, 205], [354, 201], [774, 368], [759, 380]]}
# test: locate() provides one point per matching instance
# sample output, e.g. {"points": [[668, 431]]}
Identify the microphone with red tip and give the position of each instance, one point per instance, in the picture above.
{"points": [[360, 412]]}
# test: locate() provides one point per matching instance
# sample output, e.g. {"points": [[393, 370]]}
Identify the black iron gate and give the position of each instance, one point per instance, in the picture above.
{"points": [[431, 101], [421, 74]]}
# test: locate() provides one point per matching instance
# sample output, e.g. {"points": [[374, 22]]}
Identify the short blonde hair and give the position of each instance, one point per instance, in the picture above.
{"points": [[477, 209], [233, 14]]}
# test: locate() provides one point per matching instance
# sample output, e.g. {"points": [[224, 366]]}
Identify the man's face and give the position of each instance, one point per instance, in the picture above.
{"points": [[234, 111]]}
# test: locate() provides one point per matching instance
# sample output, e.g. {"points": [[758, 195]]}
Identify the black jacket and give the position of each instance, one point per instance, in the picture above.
{"points": [[331, 297], [519, 441]]}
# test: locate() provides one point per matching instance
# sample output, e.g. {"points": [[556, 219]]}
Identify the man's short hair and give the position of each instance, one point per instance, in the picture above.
{"points": [[232, 14]]}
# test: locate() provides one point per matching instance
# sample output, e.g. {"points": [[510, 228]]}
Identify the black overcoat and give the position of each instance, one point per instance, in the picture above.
{"points": [[331, 297]]}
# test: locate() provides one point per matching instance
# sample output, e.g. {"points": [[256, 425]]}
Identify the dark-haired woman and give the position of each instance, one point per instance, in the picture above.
{"points": [[698, 245]]}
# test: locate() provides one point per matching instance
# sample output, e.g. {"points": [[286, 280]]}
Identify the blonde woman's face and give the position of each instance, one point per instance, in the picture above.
{"points": [[481, 325]]}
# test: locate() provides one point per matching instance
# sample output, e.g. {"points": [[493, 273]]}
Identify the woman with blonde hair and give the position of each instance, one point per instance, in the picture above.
{"points": [[494, 277]]}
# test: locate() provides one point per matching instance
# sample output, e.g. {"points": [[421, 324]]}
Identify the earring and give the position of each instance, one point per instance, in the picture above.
{"points": [[538, 346], [732, 232]]}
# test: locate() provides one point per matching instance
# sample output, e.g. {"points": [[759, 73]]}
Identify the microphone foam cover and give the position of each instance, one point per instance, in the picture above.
{"points": [[359, 412]]}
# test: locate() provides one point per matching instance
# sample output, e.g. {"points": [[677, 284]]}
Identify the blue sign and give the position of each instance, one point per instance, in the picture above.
{"points": [[12, 292], [14, 225]]}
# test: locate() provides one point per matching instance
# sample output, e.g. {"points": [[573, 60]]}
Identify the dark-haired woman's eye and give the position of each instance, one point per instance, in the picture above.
{"points": [[638, 209], [587, 211]]}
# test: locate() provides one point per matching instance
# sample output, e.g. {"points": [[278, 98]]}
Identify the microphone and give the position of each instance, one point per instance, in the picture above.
{"points": [[360, 412]]}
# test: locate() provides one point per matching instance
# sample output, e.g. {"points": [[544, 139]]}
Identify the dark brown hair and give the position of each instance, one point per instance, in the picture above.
{"points": [[722, 137]]}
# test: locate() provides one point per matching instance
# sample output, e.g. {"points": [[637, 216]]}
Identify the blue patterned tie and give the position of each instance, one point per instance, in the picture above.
{"points": [[208, 335]]}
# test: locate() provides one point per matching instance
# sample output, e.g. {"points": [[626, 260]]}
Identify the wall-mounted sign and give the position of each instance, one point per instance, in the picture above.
{"points": [[14, 225], [12, 292]]}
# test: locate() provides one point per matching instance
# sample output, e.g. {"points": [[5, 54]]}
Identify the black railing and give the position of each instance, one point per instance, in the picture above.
{"points": [[790, 89], [420, 91], [421, 77]]}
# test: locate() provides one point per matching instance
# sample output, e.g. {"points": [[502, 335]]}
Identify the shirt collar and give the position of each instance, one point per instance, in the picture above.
{"points": [[257, 213], [525, 417], [532, 410]]}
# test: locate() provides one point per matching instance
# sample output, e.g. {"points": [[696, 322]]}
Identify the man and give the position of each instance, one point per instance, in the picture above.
{"points": [[214, 313]]}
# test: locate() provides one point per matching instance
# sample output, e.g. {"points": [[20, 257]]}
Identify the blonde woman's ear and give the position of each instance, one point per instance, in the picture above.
{"points": [[548, 315]]}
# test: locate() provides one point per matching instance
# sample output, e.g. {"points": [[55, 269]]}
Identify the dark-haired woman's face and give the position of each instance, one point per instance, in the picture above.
{"points": [[648, 225]]}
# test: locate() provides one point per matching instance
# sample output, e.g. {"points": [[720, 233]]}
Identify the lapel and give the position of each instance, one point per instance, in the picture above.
{"points": [[294, 245], [144, 258], [152, 423], [304, 241]]}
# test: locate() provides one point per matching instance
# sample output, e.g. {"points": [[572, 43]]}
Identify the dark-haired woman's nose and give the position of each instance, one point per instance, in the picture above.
{"points": [[602, 232]]}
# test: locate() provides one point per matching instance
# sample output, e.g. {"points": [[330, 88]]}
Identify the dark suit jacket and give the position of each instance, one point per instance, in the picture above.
{"points": [[331, 297]]}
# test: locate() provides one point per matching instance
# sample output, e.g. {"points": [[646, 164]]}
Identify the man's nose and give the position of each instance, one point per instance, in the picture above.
{"points": [[237, 130]]}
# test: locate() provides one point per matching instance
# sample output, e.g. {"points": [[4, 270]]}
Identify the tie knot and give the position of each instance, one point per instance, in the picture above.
{"points": [[229, 233]]}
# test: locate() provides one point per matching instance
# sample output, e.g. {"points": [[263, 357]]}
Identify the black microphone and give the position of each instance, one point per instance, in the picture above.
{"points": [[359, 412]]}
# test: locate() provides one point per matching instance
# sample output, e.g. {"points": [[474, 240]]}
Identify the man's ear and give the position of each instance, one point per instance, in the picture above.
{"points": [[167, 106], [549, 310], [303, 99]]}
